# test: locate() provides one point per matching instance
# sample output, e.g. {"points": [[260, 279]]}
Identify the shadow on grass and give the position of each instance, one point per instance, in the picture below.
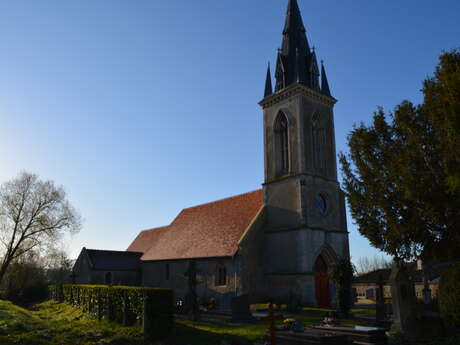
{"points": [[215, 332]]}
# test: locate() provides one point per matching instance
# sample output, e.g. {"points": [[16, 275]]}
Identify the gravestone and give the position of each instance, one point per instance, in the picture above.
{"points": [[240, 309], [404, 302], [297, 327]]}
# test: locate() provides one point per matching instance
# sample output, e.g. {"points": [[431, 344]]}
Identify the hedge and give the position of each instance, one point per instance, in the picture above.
{"points": [[122, 304]]}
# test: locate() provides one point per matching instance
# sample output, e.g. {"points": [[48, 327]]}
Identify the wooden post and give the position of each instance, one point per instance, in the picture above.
{"points": [[271, 318]]}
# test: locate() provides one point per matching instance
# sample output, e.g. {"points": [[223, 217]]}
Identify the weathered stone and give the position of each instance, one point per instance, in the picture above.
{"points": [[297, 326], [358, 334], [310, 338], [404, 302], [240, 309]]}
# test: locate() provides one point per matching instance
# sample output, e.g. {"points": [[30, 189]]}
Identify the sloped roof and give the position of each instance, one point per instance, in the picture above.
{"points": [[144, 240], [114, 260], [433, 272], [209, 230], [373, 277]]}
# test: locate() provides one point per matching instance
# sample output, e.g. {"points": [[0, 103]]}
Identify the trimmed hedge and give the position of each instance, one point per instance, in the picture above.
{"points": [[449, 296], [122, 304]]}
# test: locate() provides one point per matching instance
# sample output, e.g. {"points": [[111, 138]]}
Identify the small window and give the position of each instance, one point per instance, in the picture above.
{"points": [[167, 272], [320, 204], [221, 275], [108, 278]]}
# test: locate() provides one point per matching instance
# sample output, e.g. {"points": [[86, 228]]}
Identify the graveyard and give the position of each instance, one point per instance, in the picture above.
{"points": [[54, 323], [217, 207]]}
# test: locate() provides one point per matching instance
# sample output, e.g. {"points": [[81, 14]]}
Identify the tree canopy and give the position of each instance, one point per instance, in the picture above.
{"points": [[402, 172]]}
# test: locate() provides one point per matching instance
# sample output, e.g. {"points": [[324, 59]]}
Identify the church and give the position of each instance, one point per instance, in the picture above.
{"points": [[274, 243]]}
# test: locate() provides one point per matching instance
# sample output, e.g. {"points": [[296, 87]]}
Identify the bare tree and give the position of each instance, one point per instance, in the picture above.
{"points": [[33, 214], [366, 264]]}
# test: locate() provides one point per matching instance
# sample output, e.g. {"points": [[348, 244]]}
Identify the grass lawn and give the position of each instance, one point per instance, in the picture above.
{"points": [[52, 323], [59, 324], [198, 333]]}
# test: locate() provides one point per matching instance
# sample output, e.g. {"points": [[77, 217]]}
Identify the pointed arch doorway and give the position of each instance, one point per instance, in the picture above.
{"points": [[322, 291]]}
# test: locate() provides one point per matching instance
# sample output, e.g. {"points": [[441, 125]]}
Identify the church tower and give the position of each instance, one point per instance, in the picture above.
{"points": [[306, 228]]}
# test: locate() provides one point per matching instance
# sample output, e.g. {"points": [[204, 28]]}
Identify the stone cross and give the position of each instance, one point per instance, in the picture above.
{"points": [[404, 302]]}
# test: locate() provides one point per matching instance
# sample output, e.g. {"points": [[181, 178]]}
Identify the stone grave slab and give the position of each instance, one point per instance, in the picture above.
{"points": [[358, 334], [310, 337]]}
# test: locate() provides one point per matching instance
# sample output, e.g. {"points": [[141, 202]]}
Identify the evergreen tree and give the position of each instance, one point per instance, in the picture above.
{"points": [[402, 172]]}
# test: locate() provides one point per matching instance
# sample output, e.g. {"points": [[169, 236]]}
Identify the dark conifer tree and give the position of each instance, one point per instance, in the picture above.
{"points": [[402, 172]]}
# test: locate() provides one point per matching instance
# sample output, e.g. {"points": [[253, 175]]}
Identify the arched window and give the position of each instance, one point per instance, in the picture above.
{"points": [[282, 144], [221, 275], [108, 278]]}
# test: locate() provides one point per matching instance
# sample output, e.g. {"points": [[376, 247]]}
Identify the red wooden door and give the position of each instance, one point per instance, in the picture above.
{"points": [[323, 296]]}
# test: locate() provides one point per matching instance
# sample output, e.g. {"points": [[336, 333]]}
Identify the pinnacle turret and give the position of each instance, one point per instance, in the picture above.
{"points": [[268, 83], [324, 84]]}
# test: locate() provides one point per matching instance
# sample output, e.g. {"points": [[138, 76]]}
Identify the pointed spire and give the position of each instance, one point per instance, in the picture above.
{"points": [[296, 62], [294, 47], [293, 18], [324, 84], [268, 83]]}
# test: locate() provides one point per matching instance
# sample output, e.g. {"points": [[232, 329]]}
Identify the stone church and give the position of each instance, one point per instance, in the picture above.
{"points": [[273, 243]]}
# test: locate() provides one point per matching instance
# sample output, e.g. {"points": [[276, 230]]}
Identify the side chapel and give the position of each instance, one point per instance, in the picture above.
{"points": [[276, 242]]}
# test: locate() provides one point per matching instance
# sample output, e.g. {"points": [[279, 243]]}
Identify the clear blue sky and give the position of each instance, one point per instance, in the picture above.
{"points": [[142, 108]]}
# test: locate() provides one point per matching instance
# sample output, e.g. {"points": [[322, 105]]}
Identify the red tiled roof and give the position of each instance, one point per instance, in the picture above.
{"points": [[208, 230], [144, 240]]}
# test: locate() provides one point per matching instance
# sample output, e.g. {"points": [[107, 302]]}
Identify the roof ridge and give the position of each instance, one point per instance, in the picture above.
{"points": [[113, 251], [219, 200], [157, 228]]}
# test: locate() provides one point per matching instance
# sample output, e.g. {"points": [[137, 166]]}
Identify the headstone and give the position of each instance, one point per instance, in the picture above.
{"points": [[240, 309], [404, 302], [297, 327]]}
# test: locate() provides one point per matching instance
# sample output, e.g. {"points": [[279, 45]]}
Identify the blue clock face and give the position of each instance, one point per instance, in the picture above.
{"points": [[320, 203]]}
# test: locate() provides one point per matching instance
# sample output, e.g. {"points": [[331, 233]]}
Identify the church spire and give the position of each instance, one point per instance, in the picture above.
{"points": [[296, 62], [324, 84], [294, 47], [268, 83]]}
